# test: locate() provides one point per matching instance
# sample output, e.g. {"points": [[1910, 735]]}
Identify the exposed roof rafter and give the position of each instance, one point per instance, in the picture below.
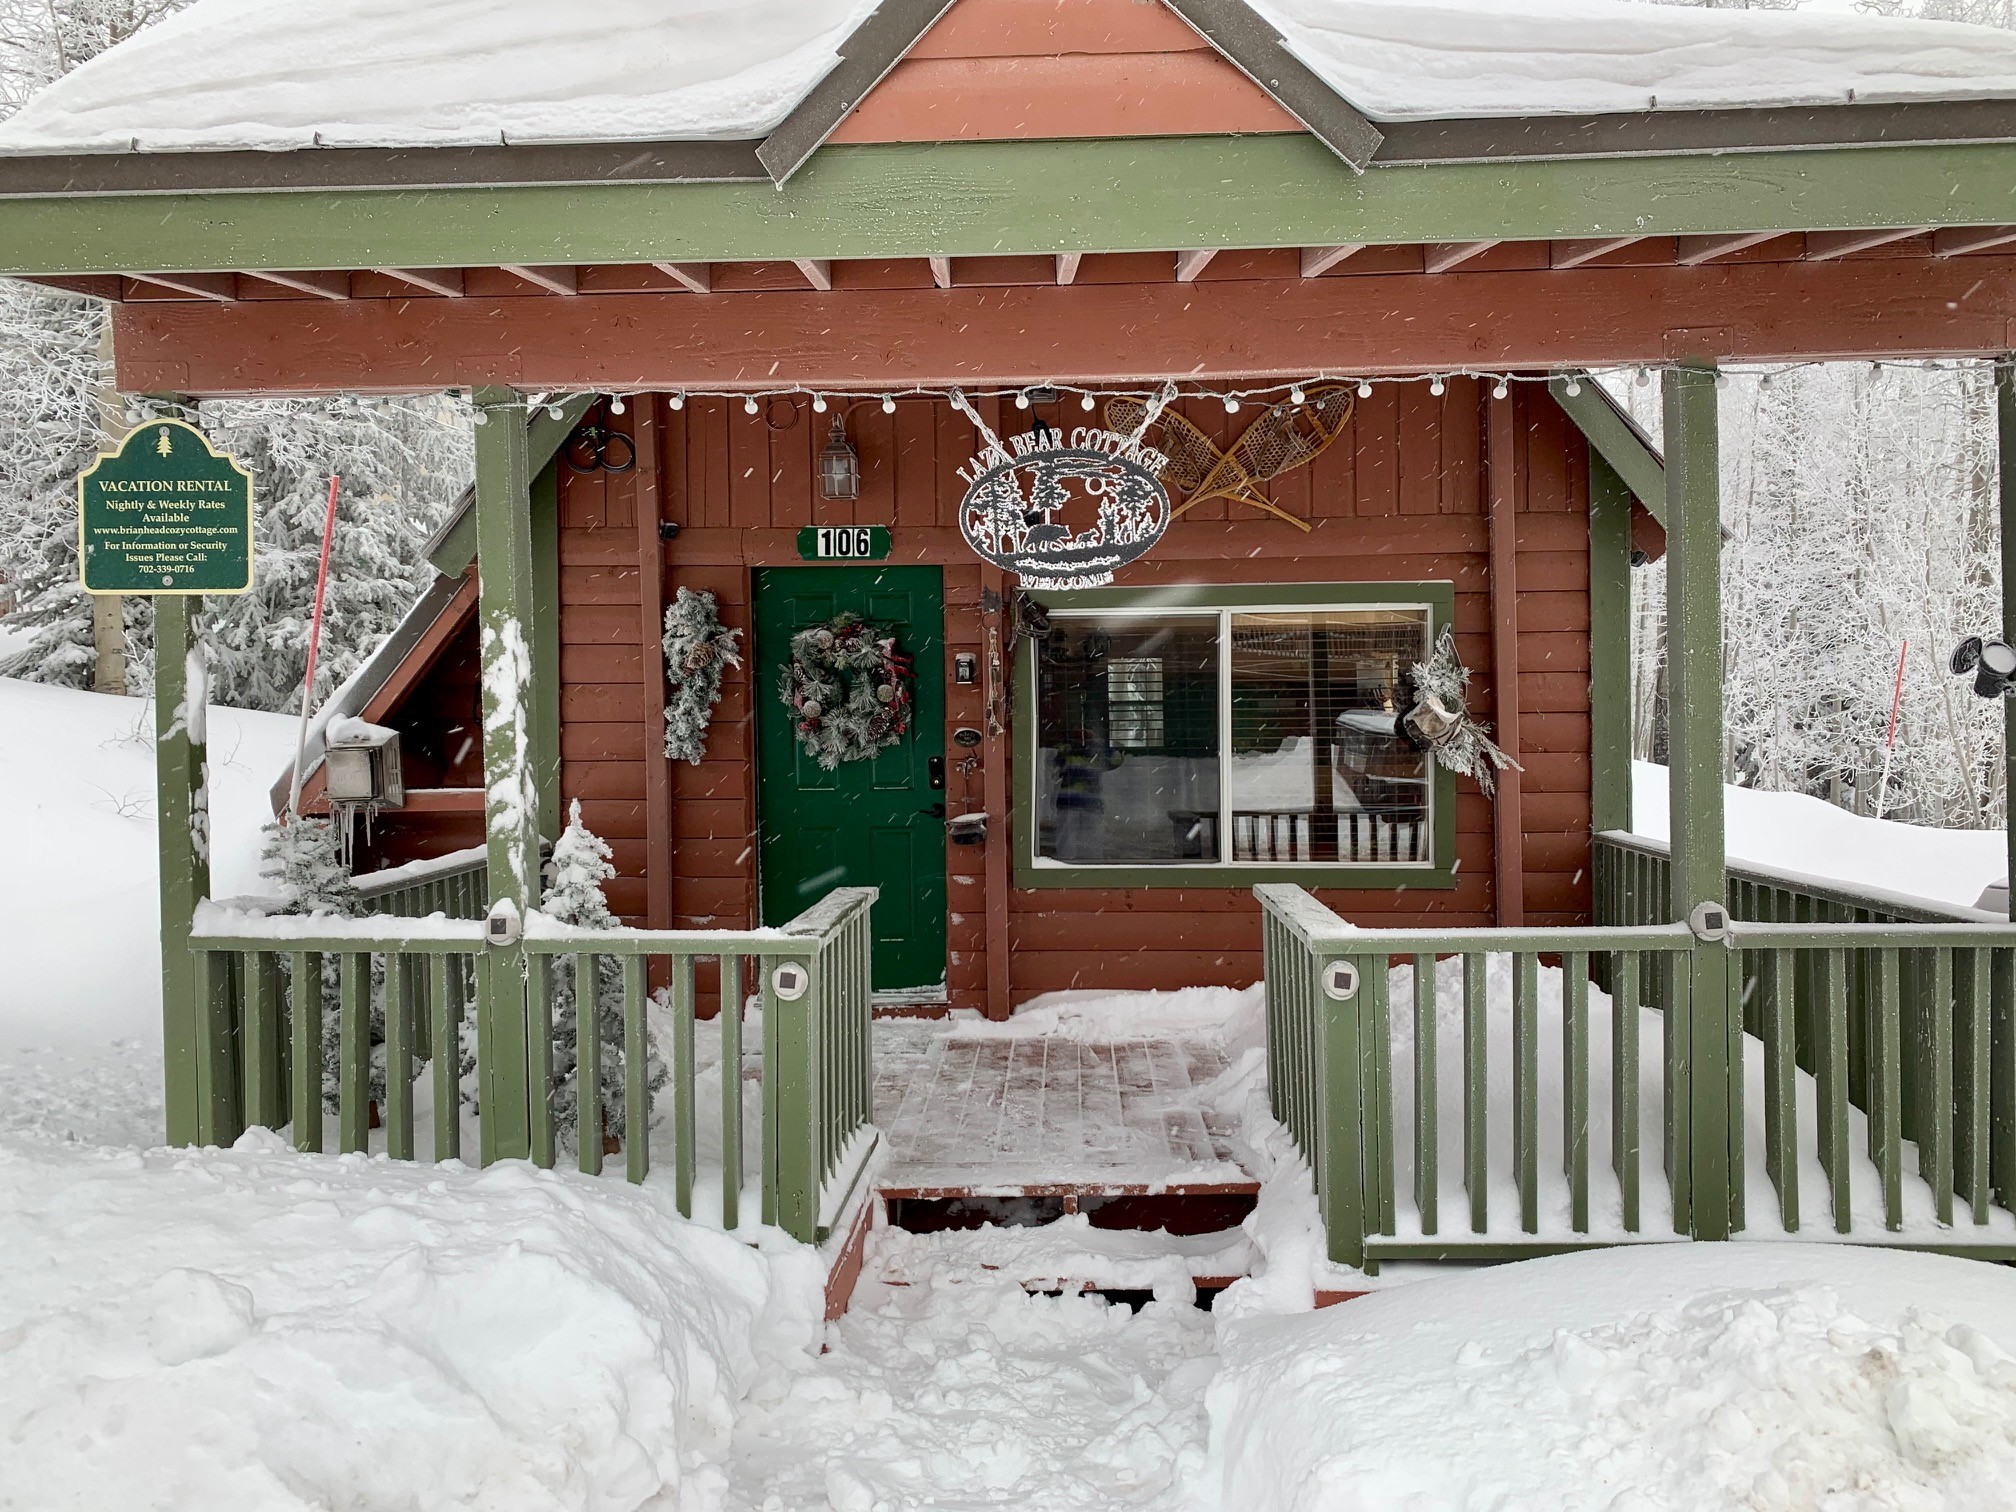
{"points": [[1955, 241], [1824, 246], [222, 287], [1067, 266], [1190, 264], [1573, 254], [1447, 255], [1696, 250], [697, 277], [447, 282], [554, 280], [941, 272], [324, 285], [818, 271], [1316, 261]]}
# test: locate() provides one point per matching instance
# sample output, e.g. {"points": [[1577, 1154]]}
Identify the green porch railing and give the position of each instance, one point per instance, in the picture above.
{"points": [[1886, 1120], [402, 1003], [454, 885]]}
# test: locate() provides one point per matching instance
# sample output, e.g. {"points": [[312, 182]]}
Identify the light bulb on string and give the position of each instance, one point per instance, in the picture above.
{"points": [[1296, 396], [555, 412], [616, 405], [749, 405], [1022, 401], [1231, 404], [678, 401], [1085, 402], [1644, 376], [1437, 386], [818, 404], [1574, 386], [1501, 389], [1364, 388], [888, 405]]}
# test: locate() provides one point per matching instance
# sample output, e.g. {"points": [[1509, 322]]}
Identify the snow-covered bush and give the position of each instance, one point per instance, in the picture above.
{"points": [[579, 867]]}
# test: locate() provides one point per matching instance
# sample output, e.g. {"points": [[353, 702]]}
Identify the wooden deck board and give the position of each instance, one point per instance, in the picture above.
{"points": [[969, 1111]]}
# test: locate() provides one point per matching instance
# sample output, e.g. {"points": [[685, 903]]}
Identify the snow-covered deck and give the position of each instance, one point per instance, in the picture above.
{"points": [[972, 1109]]}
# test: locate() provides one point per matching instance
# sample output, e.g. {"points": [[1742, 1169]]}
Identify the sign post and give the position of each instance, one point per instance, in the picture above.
{"points": [[165, 515]]}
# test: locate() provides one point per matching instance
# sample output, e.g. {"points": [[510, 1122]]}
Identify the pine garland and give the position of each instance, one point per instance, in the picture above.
{"points": [[1440, 723], [848, 688], [698, 649]]}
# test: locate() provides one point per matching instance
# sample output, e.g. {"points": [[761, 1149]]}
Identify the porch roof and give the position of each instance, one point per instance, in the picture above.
{"points": [[344, 96]]}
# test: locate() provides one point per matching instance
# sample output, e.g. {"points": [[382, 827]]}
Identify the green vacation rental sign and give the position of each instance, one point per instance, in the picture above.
{"points": [[165, 514]]}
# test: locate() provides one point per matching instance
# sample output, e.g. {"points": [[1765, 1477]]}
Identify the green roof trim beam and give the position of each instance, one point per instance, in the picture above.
{"points": [[1616, 438], [1027, 198]]}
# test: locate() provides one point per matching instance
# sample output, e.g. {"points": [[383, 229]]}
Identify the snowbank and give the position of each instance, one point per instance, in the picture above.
{"points": [[261, 1330], [1791, 832], [277, 75], [79, 893], [1700, 1377]]}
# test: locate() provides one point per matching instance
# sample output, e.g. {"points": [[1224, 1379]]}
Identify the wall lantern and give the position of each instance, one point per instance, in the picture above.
{"points": [[1992, 662], [362, 762], [839, 465]]}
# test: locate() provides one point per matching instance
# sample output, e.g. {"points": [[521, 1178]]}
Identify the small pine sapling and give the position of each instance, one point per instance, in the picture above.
{"points": [[579, 867]]}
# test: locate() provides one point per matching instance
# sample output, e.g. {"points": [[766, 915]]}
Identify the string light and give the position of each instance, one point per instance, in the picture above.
{"points": [[1233, 400], [556, 411]]}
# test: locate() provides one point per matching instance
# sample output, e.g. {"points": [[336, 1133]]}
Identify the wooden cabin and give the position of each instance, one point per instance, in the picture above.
{"points": [[1433, 508], [937, 226]]}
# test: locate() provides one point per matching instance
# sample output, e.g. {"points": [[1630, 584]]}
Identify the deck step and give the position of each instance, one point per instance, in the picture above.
{"points": [[1071, 1254]]}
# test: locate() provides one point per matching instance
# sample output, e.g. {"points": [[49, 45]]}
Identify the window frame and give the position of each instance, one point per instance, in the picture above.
{"points": [[1438, 598]]}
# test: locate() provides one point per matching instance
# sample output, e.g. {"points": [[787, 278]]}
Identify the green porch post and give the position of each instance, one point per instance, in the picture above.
{"points": [[2005, 406], [1609, 645], [1698, 1027], [199, 1066], [511, 796]]}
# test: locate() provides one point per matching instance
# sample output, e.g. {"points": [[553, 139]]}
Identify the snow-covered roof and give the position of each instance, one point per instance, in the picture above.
{"points": [[1405, 60], [281, 75]]}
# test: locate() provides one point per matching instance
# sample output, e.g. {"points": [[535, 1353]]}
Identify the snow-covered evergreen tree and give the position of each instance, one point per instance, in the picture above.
{"points": [[403, 461], [580, 865]]}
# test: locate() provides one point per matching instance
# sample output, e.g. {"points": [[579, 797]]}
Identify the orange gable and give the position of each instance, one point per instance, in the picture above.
{"points": [[1008, 70]]}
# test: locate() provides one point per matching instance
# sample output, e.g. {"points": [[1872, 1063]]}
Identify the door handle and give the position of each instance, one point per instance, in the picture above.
{"points": [[935, 768], [935, 811]]}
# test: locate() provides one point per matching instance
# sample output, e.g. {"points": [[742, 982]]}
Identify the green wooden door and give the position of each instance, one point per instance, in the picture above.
{"points": [[876, 823]]}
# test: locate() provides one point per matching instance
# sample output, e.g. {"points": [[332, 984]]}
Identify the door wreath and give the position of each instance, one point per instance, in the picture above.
{"points": [[848, 690]]}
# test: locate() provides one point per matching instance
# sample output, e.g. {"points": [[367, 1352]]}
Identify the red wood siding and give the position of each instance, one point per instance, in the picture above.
{"points": [[1400, 497]]}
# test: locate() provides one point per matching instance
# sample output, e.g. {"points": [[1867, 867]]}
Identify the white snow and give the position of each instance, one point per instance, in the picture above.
{"points": [[261, 1330], [1794, 833], [1401, 60], [79, 895], [274, 75], [1701, 1377], [277, 74]]}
